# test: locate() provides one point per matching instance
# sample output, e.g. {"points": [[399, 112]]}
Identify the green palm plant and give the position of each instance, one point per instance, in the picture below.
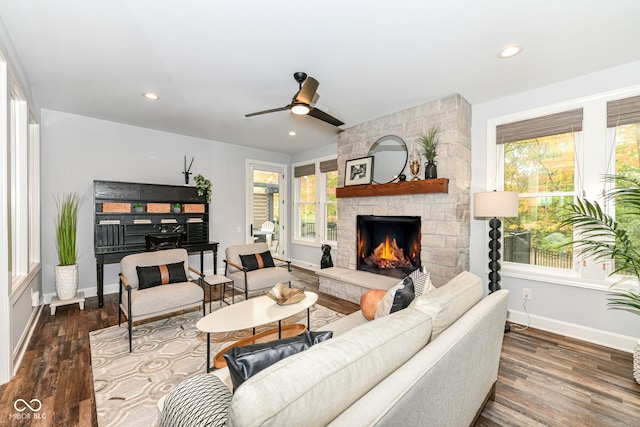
{"points": [[604, 238], [66, 227], [430, 141]]}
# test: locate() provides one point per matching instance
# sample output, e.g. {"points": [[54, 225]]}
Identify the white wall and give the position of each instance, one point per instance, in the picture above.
{"points": [[574, 311], [307, 256], [77, 150]]}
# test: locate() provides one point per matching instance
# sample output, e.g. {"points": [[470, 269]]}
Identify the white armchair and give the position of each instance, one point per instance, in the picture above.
{"points": [[258, 279], [138, 302]]}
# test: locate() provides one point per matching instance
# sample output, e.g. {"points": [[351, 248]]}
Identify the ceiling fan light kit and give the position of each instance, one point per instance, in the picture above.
{"points": [[300, 109], [302, 100]]}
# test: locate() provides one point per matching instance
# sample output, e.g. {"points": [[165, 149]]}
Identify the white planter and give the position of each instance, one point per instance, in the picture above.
{"points": [[636, 362], [66, 281]]}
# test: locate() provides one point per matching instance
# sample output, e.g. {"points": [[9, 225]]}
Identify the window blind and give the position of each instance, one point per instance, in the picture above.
{"points": [[623, 111], [304, 170], [329, 165], [553, 124]]}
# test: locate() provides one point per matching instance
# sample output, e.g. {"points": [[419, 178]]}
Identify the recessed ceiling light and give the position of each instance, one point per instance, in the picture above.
{"points": [[509, 51], [150, 95], [292, 133]]}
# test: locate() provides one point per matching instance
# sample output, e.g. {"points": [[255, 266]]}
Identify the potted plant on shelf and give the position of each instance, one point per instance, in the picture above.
{"points": [[138, 208], [603, 237], [430, 141], [203, 186], [66, 272], [176, 208]]}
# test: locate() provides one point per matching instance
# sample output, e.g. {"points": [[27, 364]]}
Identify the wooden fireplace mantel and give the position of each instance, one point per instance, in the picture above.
{"points": [[437, 185]]}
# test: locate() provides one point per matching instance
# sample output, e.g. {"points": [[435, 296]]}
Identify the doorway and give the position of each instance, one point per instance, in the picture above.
{"points": [[266, 213]]}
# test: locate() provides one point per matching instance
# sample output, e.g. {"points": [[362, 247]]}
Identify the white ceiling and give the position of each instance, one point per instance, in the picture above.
{"points": [[212, 62]]}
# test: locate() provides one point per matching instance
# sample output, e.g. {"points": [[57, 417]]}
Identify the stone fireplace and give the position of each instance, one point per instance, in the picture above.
{"points": [[444, 217], [388, 245]]}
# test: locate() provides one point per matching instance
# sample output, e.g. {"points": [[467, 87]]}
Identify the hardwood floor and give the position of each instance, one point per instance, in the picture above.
{"points": [[544, 379]]}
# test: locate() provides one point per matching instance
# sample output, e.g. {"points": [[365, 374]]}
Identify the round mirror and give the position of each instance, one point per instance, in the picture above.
{"points": [[389, 158]]}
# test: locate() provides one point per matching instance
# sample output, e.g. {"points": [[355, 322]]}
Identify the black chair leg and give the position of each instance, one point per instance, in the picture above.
{"points": [[119, 315], [130, 327]]}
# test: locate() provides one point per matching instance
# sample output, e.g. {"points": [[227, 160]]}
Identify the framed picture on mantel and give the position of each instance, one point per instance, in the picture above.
{"points": [[358, 171]]}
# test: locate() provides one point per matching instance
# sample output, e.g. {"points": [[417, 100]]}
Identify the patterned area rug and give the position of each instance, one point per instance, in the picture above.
{"points": [[165, 352]]}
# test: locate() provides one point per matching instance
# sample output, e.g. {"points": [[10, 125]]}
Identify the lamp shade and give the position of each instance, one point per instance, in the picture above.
{"points": [[494, 204]]}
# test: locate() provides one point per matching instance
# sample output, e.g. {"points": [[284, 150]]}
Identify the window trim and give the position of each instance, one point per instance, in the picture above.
{"points": [[320, 203], [595, 107]]}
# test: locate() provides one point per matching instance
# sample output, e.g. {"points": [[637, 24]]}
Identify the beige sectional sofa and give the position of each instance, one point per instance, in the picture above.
{"points": [[434, 363]]}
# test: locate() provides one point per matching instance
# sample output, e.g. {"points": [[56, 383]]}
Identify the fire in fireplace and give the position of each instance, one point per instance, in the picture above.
{"points": [[388, 245]]}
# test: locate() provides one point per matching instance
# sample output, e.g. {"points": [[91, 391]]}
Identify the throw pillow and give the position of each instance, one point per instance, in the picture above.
{"points": [[245, 361], [202, 400], [155, 275], [396, 298], [369, 302], [421, 281], [257, 261]]}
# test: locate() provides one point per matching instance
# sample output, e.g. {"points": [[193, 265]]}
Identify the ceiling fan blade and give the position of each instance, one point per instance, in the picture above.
{"points": [[308, 90], [273, 110], [321, 115]]}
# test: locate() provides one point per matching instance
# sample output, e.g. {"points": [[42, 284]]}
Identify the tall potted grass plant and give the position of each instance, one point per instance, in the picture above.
{"points": [[66, 272]]}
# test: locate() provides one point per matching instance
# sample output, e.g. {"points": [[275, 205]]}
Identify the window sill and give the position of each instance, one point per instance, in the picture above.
{"points": [[568, 278]]}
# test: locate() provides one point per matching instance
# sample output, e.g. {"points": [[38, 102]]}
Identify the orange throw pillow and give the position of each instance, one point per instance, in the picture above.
{"points": [[369, 302]]}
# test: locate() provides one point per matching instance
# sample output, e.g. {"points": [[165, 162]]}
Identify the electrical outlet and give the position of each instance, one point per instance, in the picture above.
{"points": [[526, 293]]}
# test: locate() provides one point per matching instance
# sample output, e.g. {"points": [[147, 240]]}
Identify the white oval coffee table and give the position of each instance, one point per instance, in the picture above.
{"points": [[250, 314]]}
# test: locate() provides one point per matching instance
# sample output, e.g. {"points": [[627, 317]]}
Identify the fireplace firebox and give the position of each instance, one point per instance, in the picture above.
{"points": [[388, 245]]}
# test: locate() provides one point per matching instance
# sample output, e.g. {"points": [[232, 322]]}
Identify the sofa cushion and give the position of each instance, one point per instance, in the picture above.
{"points": [[397, 298], [233, 252], [447, 303], [320, 383], [202, 400], [245, 361], [154, 275], [257, 261]]}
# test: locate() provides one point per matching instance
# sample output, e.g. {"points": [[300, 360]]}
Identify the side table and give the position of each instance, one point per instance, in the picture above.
{"points": [[223, 281]]}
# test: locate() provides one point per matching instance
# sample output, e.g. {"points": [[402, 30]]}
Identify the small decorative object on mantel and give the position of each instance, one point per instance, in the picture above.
{"points": [[187, 171], [430, 141], [203, 186], [284, 295], [358, 171], [414, 163]]}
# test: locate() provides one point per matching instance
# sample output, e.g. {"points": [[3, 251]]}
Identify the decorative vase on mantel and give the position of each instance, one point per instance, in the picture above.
{"points": [[636, 362], [430, 169]]}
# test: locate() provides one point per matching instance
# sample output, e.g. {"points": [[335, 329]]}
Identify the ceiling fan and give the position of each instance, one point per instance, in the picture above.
{"points": [[301, 101]]}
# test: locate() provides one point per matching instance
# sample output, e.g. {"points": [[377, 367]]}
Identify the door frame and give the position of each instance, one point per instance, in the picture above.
{"points": [[282, 169]]}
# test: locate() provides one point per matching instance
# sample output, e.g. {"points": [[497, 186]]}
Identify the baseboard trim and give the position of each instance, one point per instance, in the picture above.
{"points": [[584, 333], [26, 338]]}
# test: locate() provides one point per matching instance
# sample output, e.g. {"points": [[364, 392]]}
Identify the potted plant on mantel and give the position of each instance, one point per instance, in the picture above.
{"points": [[604, 238], [66, 272], [203, 187], [430, 141]]}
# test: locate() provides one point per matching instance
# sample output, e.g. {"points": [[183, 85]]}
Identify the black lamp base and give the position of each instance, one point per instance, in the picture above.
{"points": [[494, 257]]}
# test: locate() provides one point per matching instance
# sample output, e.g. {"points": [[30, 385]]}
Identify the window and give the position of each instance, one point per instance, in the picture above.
{"points": [[315, 201], [549, 160], [538, 164], [623, 123]]}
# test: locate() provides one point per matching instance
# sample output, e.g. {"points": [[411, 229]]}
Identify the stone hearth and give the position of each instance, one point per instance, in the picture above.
{"points": [[445, 216]]}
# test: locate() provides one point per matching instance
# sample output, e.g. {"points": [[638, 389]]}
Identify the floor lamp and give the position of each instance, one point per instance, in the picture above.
{"points": [[493, 205]]}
